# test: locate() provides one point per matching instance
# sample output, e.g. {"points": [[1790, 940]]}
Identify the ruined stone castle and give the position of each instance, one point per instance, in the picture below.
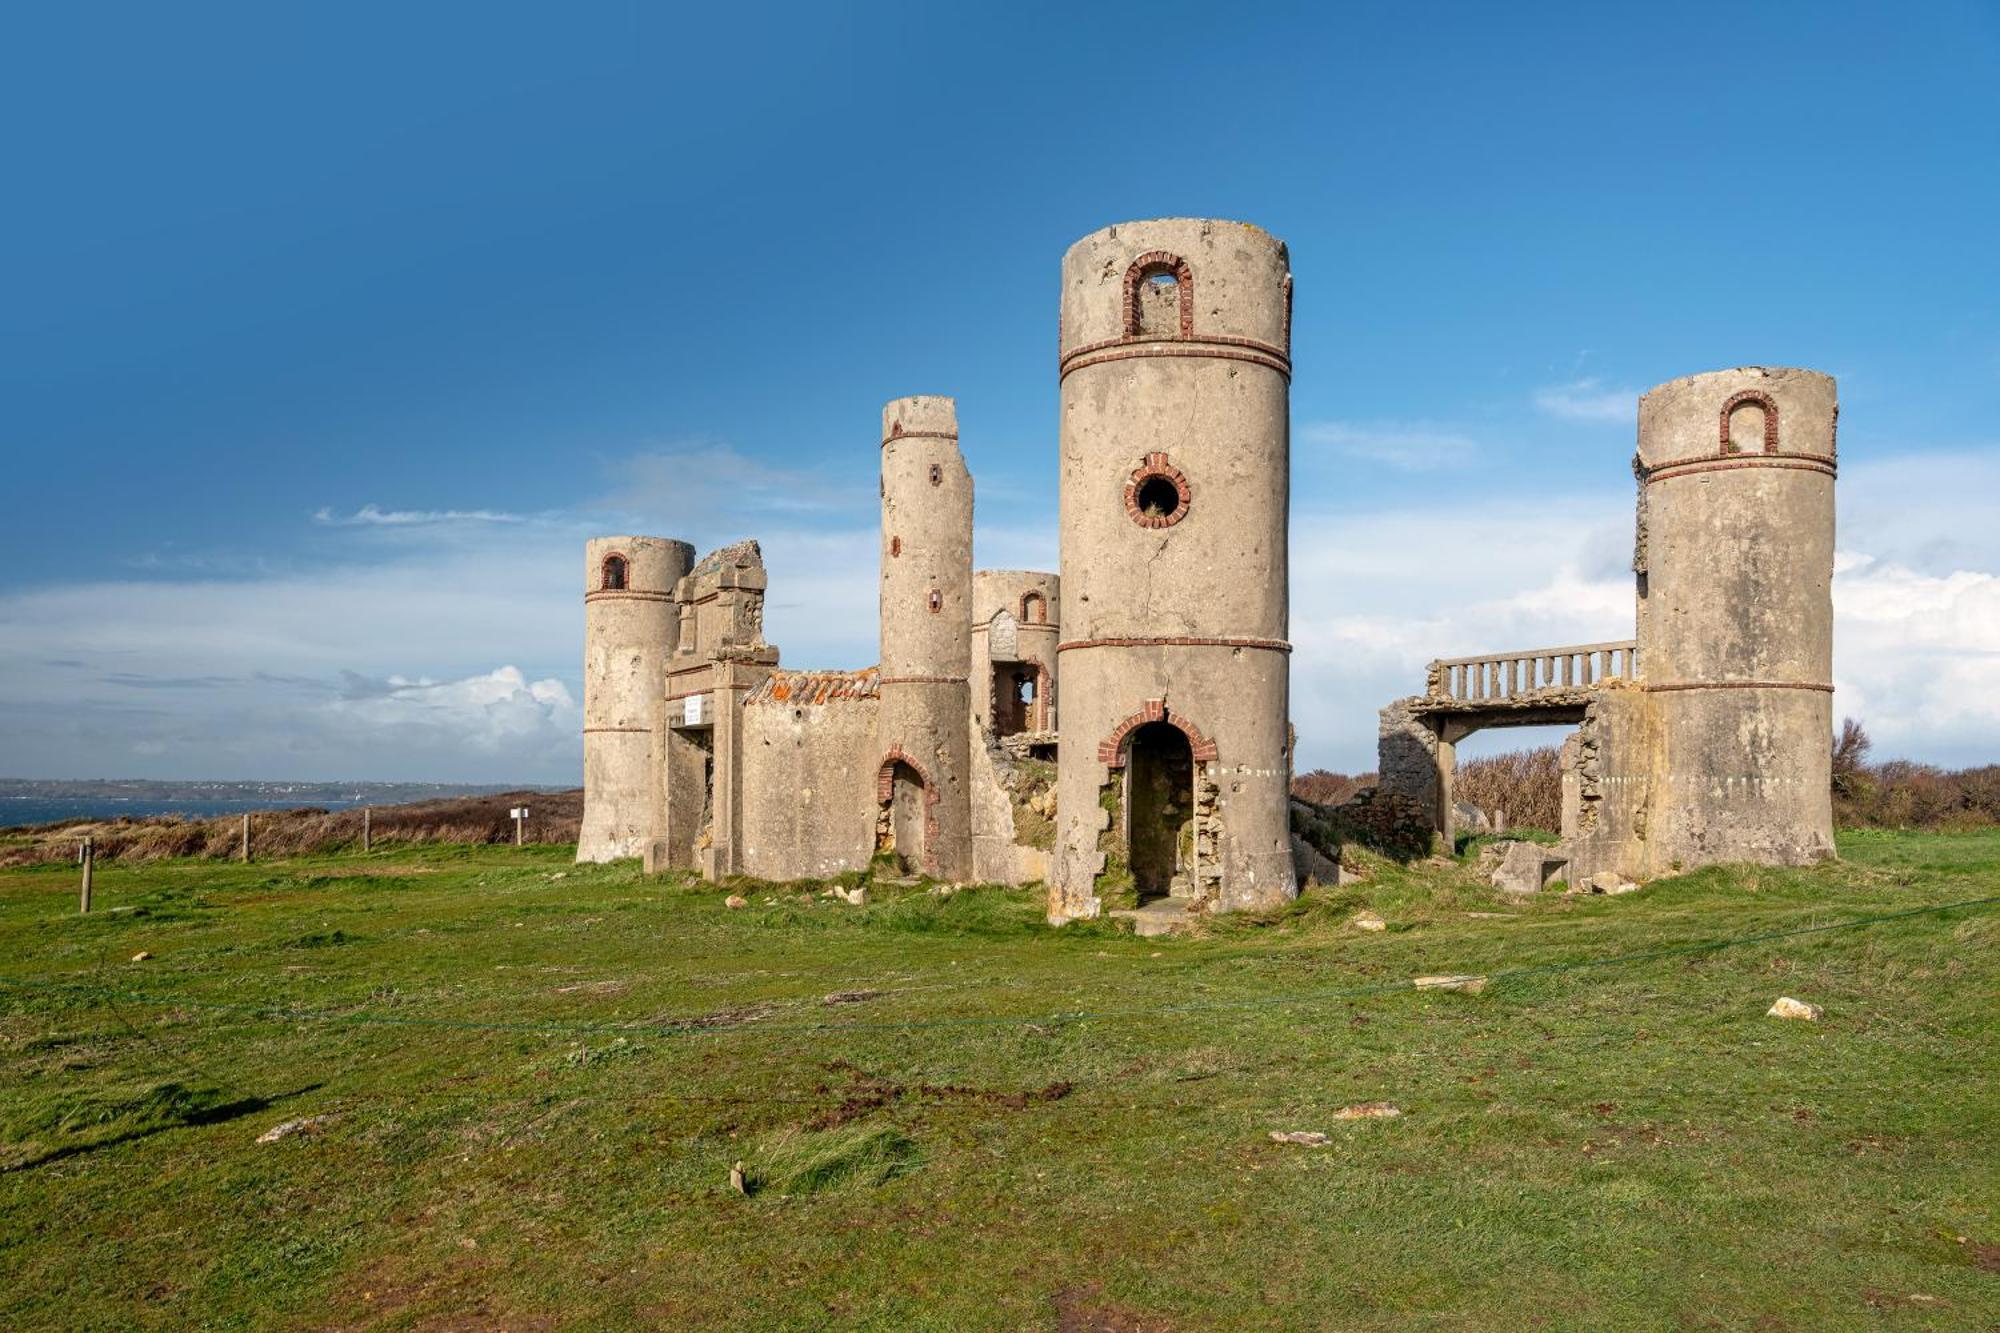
{"points": [[1119, 729]]}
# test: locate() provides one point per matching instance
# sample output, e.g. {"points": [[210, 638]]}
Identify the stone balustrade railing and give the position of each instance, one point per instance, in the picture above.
{"points": [[1498, 677]]}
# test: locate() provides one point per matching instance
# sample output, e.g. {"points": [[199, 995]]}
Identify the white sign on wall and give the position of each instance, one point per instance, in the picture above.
{"points": [[695, 712]]}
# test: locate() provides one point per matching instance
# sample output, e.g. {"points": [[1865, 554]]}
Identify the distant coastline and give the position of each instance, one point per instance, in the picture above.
{"points": [[26, 801]]}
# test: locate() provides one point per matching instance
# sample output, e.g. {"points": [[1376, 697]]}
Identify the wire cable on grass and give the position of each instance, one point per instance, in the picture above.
{"points": [[709, 1025]]}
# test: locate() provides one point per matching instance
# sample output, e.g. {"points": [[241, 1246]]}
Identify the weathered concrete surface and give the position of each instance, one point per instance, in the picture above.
{"points": [[809, 760], [926, 618], [1527, 867], [1175, 488], [627, 632], [1736, 614]]}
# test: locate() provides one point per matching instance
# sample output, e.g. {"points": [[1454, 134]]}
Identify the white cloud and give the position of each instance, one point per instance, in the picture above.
{"points": [[1416, 446], [373, 516], [1916, 646], [498, 713], [1588, 400]]}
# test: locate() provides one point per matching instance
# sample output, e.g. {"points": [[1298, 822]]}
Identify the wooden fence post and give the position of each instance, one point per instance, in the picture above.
{"points": [[367, 833], [89, 861], [246, 838]]}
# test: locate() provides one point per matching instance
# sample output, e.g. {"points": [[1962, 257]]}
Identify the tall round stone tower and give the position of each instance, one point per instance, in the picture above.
{"points": [[630, 623], [1735, 566], [1175, 488], [923, 724]]}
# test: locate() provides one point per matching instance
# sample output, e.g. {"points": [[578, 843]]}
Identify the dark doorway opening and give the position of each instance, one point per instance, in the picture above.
{"points": [[1013, 699], [1160, 810]]}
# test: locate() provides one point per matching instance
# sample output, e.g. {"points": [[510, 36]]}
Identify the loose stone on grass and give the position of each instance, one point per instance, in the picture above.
{"points": [[1369, 1111], [308, 1124], [141, 956], [1464, 985], [1305, 1138], [1368, 921], [734, 901], [1787, 1007]]}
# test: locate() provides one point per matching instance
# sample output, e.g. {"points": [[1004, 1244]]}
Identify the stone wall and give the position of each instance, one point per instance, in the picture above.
{"points": [[809, 763]]}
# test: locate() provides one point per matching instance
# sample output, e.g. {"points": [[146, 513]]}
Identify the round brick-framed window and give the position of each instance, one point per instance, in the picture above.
{"points": [[1157, 494]]}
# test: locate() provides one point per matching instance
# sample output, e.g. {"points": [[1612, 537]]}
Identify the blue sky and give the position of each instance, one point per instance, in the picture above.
{"points": [[330, 332]]}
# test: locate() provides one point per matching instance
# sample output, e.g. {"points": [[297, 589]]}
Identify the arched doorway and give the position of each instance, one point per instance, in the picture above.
{"points": [[904, 821], [1160, 809]]}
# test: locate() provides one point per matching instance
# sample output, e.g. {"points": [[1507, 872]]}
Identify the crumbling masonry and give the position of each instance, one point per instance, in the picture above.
{"points": [[1151, 676], [1707, 737]]}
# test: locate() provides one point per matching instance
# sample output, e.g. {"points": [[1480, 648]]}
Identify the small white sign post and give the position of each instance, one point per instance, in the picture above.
{"points": [[519, 813]]}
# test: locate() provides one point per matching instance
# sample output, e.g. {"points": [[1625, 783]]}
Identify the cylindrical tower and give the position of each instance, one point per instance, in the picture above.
{"points": [[923, 727], [1016, 616], [1175, 488], [1735, 566], [629, 626]]}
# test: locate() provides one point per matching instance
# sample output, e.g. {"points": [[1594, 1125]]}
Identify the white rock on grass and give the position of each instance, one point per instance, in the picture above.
{"points": [[1369, 1111], [1368, 921], [307, 1124], [1305, 1138], [1787, 1007], [1463, 985], [734, 901]]}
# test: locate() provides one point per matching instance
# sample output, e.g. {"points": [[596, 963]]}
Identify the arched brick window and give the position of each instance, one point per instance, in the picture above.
{"points": [[1744, 403], [1034, 609], [614, 573], [1159, 296]]}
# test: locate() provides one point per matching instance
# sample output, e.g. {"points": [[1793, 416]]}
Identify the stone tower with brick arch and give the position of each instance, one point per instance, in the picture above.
{"points": [[630, 621], [1175, 483], [923, 728], [1735, 620]]}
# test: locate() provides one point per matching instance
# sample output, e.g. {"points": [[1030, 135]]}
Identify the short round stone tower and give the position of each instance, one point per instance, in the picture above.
{"points": [[923, 726], [1175, 487], [1735, 566], [630, 623]]}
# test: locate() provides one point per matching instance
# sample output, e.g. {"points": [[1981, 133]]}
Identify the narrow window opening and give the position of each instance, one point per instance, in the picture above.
{"points": [[614, 572]]}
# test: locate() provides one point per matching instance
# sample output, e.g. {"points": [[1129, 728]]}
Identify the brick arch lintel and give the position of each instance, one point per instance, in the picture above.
{"points": [[1763, 400], [1159, 261], [1111, 750]]}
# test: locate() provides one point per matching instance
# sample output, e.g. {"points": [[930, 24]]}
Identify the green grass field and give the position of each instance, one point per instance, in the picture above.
{"points": [[535, 1078]]}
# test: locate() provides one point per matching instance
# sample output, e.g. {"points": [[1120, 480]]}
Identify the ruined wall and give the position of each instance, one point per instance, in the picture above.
{"points": [[696, 820], [629, 618], [1735, 615], [809, 763], [1016, 625], [926, 618], [1175, 488]]}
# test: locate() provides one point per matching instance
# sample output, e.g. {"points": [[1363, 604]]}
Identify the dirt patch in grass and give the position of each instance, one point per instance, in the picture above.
{"points": [[867, 1094], [455, 1297], [1082, 1309]]}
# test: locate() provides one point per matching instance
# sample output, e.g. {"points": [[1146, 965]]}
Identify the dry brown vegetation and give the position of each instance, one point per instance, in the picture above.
{"points": [[1524, 785], [1900, 794], [555, 818], [1527, 786]]}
